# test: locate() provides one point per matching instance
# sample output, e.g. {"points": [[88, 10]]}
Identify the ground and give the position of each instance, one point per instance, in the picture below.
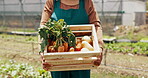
{"points": [[23, 49], [131, 32]]}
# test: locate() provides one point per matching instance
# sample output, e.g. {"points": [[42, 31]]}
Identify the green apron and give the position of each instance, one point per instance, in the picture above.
{"points": [[71, 17]]}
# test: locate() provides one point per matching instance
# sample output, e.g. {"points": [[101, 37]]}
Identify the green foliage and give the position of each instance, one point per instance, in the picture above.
{"points": [[19, 38], [136, 48], [145, 38], [13, 70], [57, 31], [30, 39], [9, 29]]}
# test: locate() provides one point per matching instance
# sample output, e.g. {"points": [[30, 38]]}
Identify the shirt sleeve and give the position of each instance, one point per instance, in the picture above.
{"points": [[47, 11], [94, 19]]}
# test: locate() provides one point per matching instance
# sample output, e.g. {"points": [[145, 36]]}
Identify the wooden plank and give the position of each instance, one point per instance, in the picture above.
{"points": [[82, 33], [72, 61], [81, 27], [95, 39], [73, 67], [64, 55]]}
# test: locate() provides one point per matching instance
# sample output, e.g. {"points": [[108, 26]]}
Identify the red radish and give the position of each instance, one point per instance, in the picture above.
{"points": [[78, 47]]}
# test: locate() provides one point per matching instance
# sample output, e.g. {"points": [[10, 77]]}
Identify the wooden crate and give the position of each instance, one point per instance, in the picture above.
{"points": [[64, 61]]}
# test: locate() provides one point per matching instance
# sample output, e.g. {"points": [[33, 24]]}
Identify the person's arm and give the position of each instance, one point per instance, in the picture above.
{"points": [[47, 11], [46, 14], [94, 19]]}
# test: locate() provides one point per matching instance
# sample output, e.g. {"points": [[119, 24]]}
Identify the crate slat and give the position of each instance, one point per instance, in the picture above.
{"points": [[72, 61], [73, 67], [82, 33], [64, 55], [95, 39], [81, 27]]}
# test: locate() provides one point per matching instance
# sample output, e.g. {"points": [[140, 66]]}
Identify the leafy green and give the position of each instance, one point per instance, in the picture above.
{"points": [[14, 70], [135, 48], [57, 31]]}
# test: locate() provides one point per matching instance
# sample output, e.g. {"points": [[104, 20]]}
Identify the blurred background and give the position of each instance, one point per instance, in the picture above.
{"points": [[125, 31]]}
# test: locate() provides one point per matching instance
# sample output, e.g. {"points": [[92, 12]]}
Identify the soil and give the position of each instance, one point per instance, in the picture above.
{"points": [[131, 32]]}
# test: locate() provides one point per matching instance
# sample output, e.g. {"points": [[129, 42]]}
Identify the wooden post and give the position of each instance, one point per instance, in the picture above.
{"points": [[4, 15], [105, 54], [33, 47]]}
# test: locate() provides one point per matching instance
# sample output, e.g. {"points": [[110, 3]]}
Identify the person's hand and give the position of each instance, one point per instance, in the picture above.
{"points": [[46, 66], [99, 59], [41, 26]]}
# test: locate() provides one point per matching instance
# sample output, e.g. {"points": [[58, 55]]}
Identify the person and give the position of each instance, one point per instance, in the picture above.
{"points": [[73, 12]]}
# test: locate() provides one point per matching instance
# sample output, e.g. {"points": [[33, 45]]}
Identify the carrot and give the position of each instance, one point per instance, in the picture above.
{"points": [[53, 50], [50, 49], [65, 46], [53, 43], [61, 49]]}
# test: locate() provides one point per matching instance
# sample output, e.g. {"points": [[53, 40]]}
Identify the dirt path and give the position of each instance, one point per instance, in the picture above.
{"points": [[127, 61], [125, 64]]}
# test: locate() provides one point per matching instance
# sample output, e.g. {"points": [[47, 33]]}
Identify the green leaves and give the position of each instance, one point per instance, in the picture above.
{"points": [[43, 32], [56, 30], [71, 40], [14, 70], [43, 45], [136, 48]]}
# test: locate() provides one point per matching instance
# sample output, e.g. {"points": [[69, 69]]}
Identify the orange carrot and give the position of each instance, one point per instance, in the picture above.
{"points": [[53, 43], [61, 49], [65, 46], [50, 49], [53, 50]]}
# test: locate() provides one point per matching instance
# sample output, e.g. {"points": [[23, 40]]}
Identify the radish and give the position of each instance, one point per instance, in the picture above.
{"points": [[85, 44]]}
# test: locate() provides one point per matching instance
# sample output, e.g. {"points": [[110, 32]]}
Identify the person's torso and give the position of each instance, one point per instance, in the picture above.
{"points": [[71, 16]]}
